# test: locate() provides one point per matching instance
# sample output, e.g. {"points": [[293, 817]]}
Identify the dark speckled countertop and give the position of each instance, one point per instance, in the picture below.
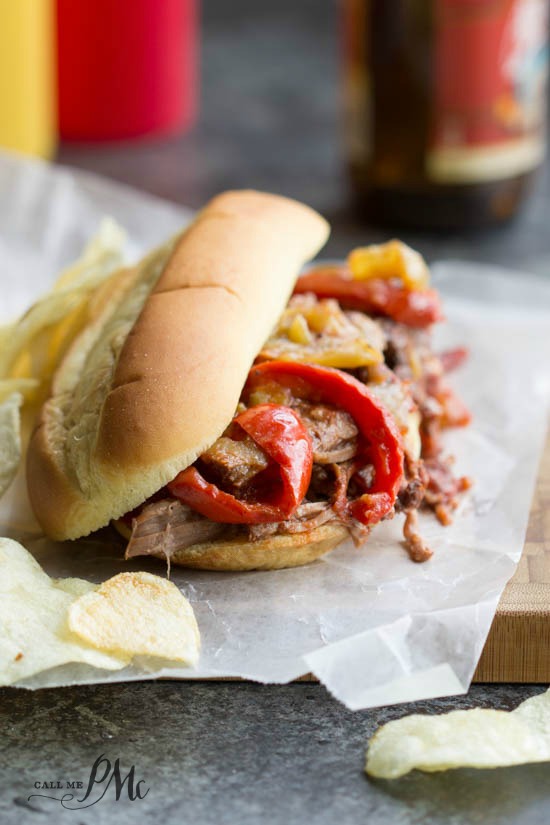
{"points": [[243, 754], [235, 752]]}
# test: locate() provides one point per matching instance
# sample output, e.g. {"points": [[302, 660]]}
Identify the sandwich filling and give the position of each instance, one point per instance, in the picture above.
{"points": [[340, 420]]}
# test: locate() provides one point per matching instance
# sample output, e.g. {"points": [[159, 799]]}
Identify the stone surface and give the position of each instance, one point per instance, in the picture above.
{"points": [[235, 752], [214, 753]]}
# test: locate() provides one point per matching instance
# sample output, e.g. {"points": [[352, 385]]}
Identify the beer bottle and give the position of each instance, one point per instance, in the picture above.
{"points": [[445, 107]]}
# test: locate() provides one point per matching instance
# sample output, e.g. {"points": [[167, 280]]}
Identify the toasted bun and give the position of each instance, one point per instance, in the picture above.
{"points": [[155, 378], [271, 553]]}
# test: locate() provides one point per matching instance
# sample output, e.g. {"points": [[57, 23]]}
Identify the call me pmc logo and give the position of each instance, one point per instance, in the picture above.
{"points": [[104, 775]]}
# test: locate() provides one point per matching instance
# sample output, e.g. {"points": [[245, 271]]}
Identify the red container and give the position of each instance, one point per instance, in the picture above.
{"points": [[127, 68]]}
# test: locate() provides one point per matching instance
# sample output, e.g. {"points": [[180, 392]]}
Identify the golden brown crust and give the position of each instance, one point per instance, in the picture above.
{"points": [[183, 365], [155, 379], [271, 553]]}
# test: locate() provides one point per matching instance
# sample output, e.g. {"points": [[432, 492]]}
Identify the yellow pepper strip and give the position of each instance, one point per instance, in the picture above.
{"points": [[393, 259], [319, 332], [345, 354], [298, 331]]}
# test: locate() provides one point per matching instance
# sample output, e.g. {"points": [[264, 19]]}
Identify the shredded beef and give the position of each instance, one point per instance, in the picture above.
{"points": [[335, 482], [359, 532], [321, 485], [413, 489], [361, 481], [430, 423], [333, 432], [410, 497], [408, 353], [444, 488], [417, 548], [406, 347], [307, 517], [164, 527], [234, 464], [342, 475]]}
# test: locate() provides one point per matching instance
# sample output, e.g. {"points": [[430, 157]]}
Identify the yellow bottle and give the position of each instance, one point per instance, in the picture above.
{"points": [[27, 77]]}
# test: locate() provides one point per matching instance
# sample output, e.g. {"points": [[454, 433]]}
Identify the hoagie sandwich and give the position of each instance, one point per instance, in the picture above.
{"points": [[222, 422]]}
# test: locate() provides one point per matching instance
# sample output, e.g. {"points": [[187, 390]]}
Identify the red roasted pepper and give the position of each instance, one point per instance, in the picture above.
{"points": [[381, 443], [413, 307], [280, 433]]}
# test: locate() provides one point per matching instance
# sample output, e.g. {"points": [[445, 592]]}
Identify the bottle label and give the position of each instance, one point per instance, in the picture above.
{"points": [[490, 75]]}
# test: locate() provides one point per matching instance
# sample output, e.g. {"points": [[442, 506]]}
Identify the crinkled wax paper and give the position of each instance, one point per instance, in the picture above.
{"points": [[373, 626]]}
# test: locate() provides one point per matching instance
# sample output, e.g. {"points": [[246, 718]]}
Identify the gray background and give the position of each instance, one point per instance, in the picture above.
{"points": [[236, 752]]}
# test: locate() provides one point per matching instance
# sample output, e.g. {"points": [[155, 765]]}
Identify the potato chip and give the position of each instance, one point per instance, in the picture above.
{"points": [[138, 614], [33, 619], [32, 348], [10, 439], [17, 564], [103, 249], [75, 587], [47, 622], [101, 257], [477, 738], [13, 393], [25, 386]]}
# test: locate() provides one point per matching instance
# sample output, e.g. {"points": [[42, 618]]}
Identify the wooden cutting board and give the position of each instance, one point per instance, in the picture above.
{"points": [[518, 645]]}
